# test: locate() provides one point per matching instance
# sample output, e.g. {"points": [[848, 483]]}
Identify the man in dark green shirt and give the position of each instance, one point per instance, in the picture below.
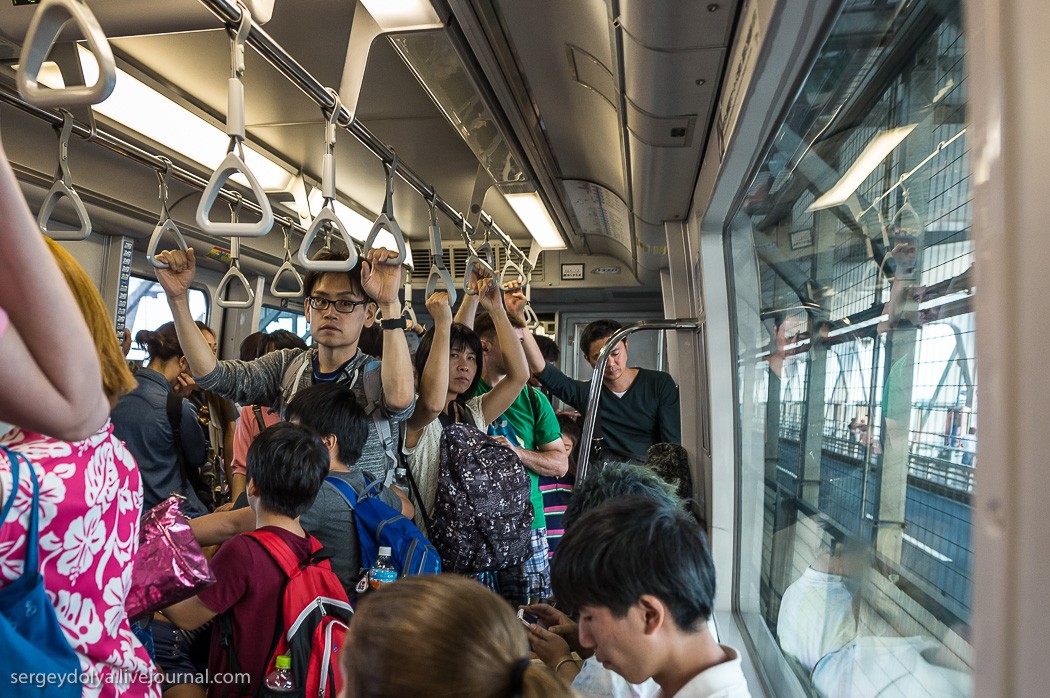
{"points": [[638, 407]]}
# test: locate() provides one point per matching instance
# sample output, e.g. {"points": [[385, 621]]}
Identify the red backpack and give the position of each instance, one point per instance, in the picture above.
{"points": [[315, 616]]}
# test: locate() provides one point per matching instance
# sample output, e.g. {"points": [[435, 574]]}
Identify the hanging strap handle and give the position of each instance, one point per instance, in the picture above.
{"points": [[234, 272], [386, 221], [438, 271], [407, 311], [234, 160], [63, 186], [166, 223], [511, 265], [44, 28], [287, 268], [326, 219]]}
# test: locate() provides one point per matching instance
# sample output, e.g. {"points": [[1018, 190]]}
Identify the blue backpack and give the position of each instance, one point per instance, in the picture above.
{"points": [[378, 525], [32, 639]]}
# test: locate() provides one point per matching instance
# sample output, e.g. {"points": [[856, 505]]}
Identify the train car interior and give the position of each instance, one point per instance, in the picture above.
{"points": [[784, 201]]}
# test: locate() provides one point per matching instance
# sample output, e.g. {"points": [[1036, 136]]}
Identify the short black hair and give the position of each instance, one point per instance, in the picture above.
{"points": [[460, 337], [633, 546], [332, 408], [485, 327], [313, 277], [599, 329], [288, 464], [548, 347], [613, 481]]}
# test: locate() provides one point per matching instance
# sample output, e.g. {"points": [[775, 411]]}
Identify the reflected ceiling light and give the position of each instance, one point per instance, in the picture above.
{"points": [[147, 112], [534, 216], [403, 15], [874, 153], [356, 224]]}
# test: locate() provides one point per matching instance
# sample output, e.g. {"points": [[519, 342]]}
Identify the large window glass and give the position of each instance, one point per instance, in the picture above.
{"points": [[852, 277], [273, 318], [148, 309]]}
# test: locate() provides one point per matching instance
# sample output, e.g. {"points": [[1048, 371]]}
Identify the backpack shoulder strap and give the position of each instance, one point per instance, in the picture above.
{"points": [[372, 382], [534, 403], [343, 487], [293, 375], [280, 552], [259, 418], [174, 407]]}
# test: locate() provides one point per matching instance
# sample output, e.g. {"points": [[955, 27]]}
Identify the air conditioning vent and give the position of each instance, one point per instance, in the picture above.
{"points": [[455, 258]]}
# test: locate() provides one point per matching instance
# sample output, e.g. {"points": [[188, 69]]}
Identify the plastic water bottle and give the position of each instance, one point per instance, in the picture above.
{"points": [[280, 681], [383, 571], [401, 478]]}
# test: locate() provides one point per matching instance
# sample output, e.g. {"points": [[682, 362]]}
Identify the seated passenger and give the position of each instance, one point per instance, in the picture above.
{"points": [[641, 575], [255, 418], [449, 363], [441, 636], [90, 504], [141, 420], [561, 635], [337, 305], [638, 407], [286, 465]]}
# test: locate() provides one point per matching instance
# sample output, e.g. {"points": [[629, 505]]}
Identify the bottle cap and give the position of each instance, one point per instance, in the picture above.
{"points": [[384, 550], [283, 661]]}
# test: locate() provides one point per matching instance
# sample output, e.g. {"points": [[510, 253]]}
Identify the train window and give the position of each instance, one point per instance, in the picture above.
{"points": [[274, 318], [148, 309], [852, 275]]}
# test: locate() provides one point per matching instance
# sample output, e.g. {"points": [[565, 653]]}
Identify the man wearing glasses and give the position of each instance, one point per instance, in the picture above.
{"points": [[338, 306]]}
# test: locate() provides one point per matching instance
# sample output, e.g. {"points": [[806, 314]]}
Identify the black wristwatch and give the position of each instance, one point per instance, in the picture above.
{"points": [[396, 323]]}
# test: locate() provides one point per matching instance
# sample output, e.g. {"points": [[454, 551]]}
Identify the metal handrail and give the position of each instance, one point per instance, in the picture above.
{"points": [[682, 324]]}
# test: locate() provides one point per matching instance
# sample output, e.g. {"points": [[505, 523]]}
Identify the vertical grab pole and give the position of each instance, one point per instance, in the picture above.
{"points": [[587, 437]]}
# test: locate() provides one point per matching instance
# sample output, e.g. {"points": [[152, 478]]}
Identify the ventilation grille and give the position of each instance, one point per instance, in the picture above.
{"points": [[455, 258]]}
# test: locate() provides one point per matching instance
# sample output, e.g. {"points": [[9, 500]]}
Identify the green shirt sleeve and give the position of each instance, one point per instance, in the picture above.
{"points": [[547, 427]]}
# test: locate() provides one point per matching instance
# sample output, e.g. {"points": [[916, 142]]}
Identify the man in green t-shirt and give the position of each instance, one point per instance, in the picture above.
{"points": [[530, 427]]}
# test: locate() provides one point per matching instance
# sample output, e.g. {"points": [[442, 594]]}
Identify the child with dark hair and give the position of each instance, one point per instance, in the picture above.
{"points": [[641, 575], [557, 491], [287, 464]]}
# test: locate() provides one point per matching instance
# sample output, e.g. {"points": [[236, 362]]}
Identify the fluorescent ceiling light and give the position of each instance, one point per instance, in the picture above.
{"points": [[874, 153], [403, 15], [147, 112], [533, 214], [356, 224]]}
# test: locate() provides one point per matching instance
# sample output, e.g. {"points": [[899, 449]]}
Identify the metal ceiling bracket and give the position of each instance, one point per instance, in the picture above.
{"points": [[47, 23]]}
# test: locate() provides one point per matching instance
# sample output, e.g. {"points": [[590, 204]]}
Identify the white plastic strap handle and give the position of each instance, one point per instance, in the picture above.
{"points": [[532, 321], [511, 265], [386, 221], [47, 23], [438, 271], [234, 272], [287, 268], [63, 186], [472, 262], [234, 161], [327, 217], [408, 312], [166, 224]]}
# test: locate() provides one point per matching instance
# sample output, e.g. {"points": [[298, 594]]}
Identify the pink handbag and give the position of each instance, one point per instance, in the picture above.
{"points": [[170, 565]]}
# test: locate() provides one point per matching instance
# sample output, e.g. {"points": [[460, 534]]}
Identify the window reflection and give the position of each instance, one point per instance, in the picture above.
{"points": [[856, 364]]}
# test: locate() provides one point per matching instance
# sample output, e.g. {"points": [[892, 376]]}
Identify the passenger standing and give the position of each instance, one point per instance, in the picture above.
{"points": [[969, 446], [557, 491], [529, 427], [141, 420], [639, 406], [89, 491], [640, 573], [254, 418], [441, 635], [337, 305], [286, 466]]}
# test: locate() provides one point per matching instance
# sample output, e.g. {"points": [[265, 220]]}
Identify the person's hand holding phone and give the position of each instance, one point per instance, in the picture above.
{"points": [[559, 624]]}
